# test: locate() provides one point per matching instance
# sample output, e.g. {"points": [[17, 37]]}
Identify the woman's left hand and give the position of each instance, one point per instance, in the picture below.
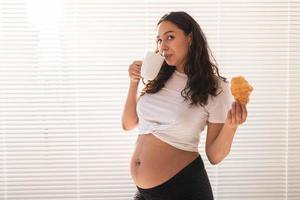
{"points": [[236, 115]]}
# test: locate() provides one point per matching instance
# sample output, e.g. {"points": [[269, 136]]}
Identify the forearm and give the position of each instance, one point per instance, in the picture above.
{"points": [[221, 146], [129, 117]]}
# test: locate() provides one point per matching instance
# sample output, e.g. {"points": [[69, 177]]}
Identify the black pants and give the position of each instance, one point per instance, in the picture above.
{"points": [[190, 183]]}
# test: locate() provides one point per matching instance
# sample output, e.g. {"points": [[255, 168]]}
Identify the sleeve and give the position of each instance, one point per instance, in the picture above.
{"points": [[219, 105]]}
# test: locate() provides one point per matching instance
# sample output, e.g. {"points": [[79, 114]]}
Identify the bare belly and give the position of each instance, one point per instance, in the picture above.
{"points": [[154, 161]]}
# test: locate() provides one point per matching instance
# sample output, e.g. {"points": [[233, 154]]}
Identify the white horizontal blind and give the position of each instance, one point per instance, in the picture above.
{"points": [[255, 40], [293, 154], [63, 82]]}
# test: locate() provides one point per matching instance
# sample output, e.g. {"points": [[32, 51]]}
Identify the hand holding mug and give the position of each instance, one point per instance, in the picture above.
{"points": [[134, 71]]}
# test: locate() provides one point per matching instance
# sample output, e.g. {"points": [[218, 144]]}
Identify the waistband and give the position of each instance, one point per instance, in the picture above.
{"points": [[194, 165]]}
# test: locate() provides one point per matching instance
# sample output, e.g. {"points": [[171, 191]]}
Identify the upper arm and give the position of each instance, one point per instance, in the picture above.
{"points": [[213, 130], [218, 107]]}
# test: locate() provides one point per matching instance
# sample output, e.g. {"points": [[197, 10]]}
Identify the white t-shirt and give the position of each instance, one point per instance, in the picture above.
{"points": [[169, 118]]}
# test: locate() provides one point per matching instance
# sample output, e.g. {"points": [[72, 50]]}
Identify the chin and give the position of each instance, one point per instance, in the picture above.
{"points": [[171, 63]]}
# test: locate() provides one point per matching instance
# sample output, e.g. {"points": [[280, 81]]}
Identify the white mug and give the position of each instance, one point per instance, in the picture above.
{"points": [[152, 63]]}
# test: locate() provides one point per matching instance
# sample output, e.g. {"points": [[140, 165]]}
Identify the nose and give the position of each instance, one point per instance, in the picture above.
{"points": [[163, 47]]}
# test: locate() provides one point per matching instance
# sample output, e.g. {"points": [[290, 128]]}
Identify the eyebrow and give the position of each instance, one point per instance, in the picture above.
{"points": [[165, 33]]}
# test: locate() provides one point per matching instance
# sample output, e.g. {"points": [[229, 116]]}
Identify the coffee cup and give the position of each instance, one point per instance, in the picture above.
{"points": [[152, 63]]}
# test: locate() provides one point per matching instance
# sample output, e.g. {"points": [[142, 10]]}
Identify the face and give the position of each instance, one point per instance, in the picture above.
{"points": [[172, 43]]}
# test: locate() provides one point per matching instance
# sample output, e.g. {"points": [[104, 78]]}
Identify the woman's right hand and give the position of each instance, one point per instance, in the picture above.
{"points": [[134, 71]]}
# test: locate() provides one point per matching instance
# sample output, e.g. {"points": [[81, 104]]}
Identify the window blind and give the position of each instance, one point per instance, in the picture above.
{"points": [[64, 81]]}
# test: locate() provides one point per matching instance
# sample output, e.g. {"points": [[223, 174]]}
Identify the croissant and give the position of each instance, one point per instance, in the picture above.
{"points": [[241, 89]]}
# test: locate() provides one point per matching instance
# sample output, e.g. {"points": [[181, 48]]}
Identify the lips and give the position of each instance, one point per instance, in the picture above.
{"points": [[167, 56]]}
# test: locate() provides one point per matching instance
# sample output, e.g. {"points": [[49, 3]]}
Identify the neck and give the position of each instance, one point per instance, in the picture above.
{"points": [[180, 67], [180, 70]]}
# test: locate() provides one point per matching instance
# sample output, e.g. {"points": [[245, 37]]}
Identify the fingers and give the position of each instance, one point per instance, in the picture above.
{"points": [[238, 112], [135, 70], [138, 62], [229, 116], [233, 119], [244, 113], [136, 65]]}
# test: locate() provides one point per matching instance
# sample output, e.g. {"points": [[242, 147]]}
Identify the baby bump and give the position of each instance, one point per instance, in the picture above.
{"points": [[154, 161]]}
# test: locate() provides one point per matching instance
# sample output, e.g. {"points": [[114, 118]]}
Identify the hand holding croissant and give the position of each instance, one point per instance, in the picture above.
{"points": [[241, 90]]}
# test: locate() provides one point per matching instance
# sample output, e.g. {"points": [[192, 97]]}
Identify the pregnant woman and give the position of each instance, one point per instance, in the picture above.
{"points": [[173, 109]]}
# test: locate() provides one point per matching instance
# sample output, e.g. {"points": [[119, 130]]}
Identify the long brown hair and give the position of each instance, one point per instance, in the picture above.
{"points": [[203, 74]]}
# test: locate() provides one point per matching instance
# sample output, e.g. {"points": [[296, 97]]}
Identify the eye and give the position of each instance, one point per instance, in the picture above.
{"points": [[170, 36]]}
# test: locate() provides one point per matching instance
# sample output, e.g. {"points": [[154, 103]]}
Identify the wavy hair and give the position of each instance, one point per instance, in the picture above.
{"points": [[203, 74]]}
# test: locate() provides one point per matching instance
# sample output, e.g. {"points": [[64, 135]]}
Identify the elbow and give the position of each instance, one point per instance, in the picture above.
{"points": [[214, 159], [126, 126]]}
